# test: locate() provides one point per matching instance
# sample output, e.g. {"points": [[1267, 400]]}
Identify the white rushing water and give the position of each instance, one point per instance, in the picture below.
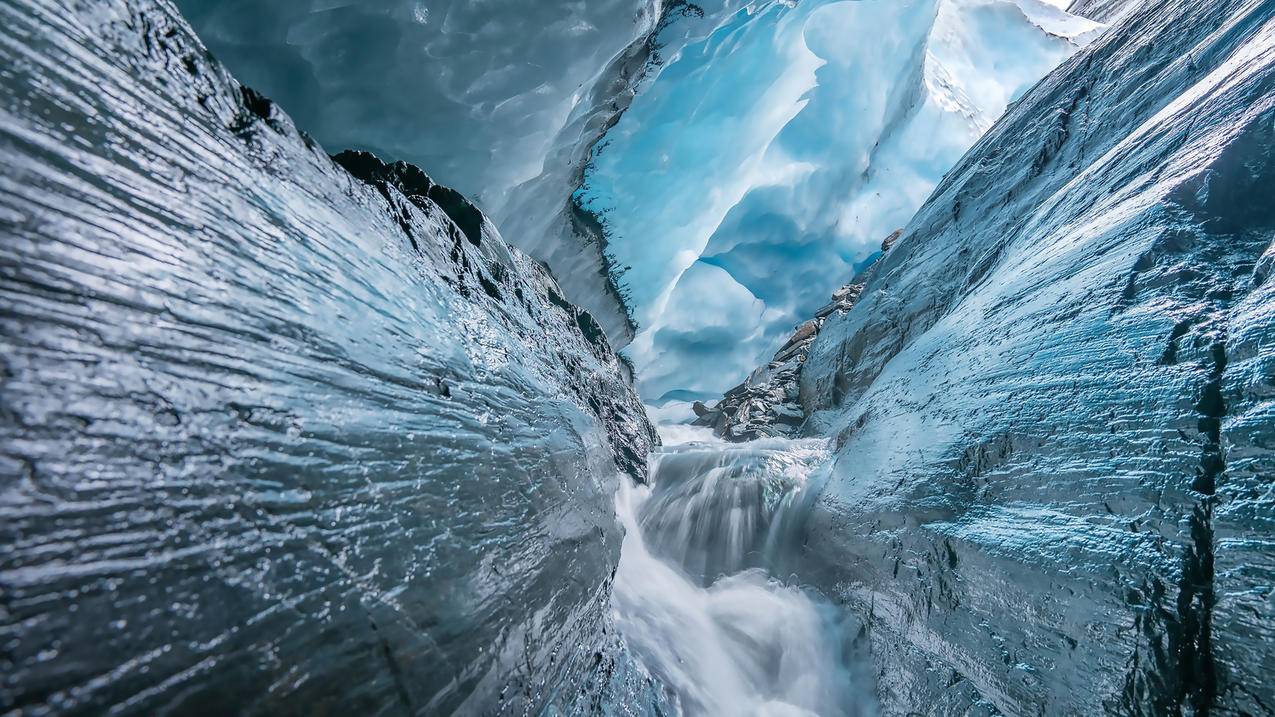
{"points": [[695, 594]]}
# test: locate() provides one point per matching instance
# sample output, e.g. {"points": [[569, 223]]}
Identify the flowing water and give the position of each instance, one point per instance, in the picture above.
{"points": [[696, 594]]}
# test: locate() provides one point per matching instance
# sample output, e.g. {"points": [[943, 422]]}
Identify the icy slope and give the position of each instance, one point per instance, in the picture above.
{"points": [[275, 438], [511, 117], [765, 163], [500, 111], [1103, 10], [502, 99], [1054, 404], [542, 213]]}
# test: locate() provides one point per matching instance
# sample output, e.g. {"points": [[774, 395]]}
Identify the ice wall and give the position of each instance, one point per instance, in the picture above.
{"points": [[1054, 402], [277, 437], [766, 162], [501, 99]]}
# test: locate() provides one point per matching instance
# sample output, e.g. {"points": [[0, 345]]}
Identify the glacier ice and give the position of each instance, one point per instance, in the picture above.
{"points": [[512, 118], [460, 87], [504, 115], [1054, 400], [764, 163], [285, 432], [1108, 11], [275, 438]]}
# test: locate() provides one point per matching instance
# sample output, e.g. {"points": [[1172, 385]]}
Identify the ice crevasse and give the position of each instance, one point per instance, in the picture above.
{"points": [[763, 164]]}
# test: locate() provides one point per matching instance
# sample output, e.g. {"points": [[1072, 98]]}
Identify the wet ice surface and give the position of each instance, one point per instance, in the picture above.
{"points": [[273, 439], [759, 156], [504, 114], [696, 597], [1054, 402], [460, 87]]}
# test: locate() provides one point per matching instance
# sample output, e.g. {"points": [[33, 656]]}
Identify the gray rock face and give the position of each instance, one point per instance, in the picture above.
{"points": [[767, 403], [1054, 404], [273, 438]]}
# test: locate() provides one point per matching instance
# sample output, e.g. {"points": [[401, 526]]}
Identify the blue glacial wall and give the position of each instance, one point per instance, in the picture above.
{"points": [[275, 437], [1053, 404], [762, 166]]}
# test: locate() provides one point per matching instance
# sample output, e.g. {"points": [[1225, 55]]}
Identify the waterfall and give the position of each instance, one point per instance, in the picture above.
{"points": [[697, 595]]}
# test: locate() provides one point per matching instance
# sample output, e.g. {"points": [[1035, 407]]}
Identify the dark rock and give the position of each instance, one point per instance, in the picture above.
{"points": [[890, 240], [767, 403], [417, 186]]}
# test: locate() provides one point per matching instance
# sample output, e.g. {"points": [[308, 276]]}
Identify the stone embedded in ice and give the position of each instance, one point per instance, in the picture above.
{"points": [[768, 402]]}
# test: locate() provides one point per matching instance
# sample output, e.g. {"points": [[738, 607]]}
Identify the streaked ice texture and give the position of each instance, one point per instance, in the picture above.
{"points": [[767, 161], [277, 439], [1054, 403], [693, 597], [1107, 11], [274, 439], [500, 99]]}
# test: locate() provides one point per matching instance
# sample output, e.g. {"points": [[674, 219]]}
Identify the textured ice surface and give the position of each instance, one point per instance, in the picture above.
{"points": [[274, 439], [501, 100], [1054, 405], [767, 161], [1102, 10]]}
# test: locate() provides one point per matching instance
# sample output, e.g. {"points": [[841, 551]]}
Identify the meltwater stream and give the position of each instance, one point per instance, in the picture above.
{"points": [[697, 594]]}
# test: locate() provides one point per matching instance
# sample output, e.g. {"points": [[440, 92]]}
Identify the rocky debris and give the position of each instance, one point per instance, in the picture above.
{"points": [[417, 186], [768, 402]]}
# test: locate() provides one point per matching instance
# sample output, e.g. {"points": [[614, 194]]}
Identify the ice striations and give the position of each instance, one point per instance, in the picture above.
{"points": [[769, 148], [274, 437], [461, 87], [762, 167], [1053, 406], [282, 432]]}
